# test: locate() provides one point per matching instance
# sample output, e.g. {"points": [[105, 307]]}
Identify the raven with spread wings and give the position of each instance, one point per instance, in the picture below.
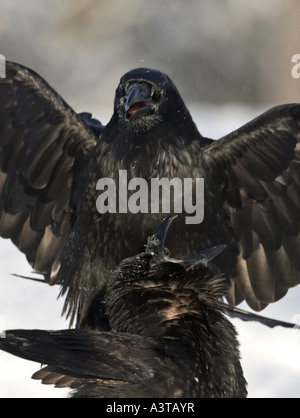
{"points": [[51, 159]]}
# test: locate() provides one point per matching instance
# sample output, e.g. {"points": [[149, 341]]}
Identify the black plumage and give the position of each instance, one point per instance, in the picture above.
{"points": [[51, 159], [167, 337]]}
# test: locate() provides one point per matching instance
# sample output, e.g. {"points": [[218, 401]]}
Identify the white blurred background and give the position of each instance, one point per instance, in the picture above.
{"points": [[229, 59]]}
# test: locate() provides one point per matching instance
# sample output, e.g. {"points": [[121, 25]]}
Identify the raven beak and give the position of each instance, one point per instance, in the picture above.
{"points": [[156, 243], [202, 257], [138, 97], [156, 246]]}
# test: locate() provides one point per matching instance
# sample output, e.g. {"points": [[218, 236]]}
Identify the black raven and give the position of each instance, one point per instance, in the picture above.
{"points": [[168, 334], [52, 158]]}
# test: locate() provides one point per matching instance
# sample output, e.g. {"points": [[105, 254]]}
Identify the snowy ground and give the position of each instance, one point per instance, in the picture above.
{"points": [[270, 357]]}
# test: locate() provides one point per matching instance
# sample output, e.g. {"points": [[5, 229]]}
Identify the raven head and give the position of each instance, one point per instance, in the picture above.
{"points": [[146, 98], [156, 266], [156, 248], [146, 292]]}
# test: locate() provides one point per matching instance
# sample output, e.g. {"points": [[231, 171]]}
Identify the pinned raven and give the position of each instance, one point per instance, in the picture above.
{"points": [[167, 336], [51, 159]]}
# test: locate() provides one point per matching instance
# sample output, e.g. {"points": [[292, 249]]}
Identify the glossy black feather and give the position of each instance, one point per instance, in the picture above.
{"points": [[37, 139], [167, 337], [51, 159]]}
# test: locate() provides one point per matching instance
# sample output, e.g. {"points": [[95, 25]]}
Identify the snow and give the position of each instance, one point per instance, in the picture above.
{"points": [[270, 357]]}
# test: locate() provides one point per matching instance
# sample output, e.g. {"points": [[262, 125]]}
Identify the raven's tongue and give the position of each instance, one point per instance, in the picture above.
{"points": [[137, 106]]}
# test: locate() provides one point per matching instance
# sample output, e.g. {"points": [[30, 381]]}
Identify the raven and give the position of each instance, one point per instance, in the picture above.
{"points": [[52, 158], [168, 334]]}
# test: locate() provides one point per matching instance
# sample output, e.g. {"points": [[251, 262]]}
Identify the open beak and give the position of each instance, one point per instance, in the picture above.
{"points": [[138, 97], [156, 245]]}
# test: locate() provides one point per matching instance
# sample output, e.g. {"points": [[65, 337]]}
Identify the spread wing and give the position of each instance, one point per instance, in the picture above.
{"points": [[40, 139], [257, 169], [99, 363]]}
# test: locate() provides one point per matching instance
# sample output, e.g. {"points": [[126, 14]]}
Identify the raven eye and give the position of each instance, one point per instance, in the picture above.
{"points": [[155, 94], [122, 90], [127, 86]]}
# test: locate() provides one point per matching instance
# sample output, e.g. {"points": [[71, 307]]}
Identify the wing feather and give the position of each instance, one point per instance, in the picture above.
{"points": [[40, 139], [260, 163]]}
